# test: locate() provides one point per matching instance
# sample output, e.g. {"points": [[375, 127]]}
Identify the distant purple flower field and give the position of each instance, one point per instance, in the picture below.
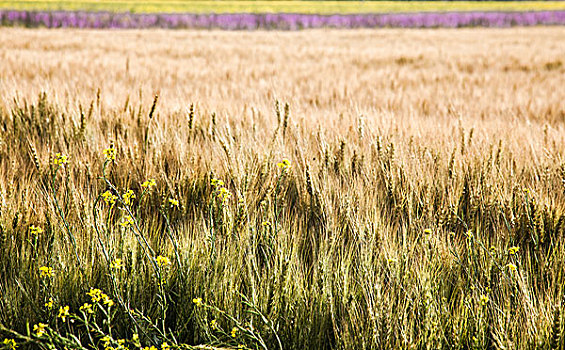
{"points": [[284, 21]]}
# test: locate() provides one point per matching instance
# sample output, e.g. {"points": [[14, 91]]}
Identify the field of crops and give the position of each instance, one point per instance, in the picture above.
{"points": [[275, 21], [285, 6], [321, 189]]}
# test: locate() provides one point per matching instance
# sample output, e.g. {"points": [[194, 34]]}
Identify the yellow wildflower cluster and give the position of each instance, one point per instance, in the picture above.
{"points": [[128, 197], [284, 165], [46, 271], [127, 221], [116, 264], [164, 346], [234, 332], [63, 313], [483, 299], [149, 183], [217, 182], [60, 159], [135, 340], [513, 250], [87, 308], [109, 198], [428, 232], [49, 304], [197, 301], [163, 261], [174, 202], [224, 194], [511, 267], [40, 329], [97, 296], [110, 153], [214, 324], [9, 343], [35, 231], [108, 341]]}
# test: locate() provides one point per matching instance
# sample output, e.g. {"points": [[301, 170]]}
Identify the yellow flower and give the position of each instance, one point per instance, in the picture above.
{"points": [[391, 260], [135, 340], [149, 348], [511, 267], [214, 324], [127, 222], [165, 346], [128, 197], [10, 343], [110, 153], [234, 332], [49, 304], [266, 224], [174, 202], [46, 271], [63, 313], [109, 198], [116, 264], [217, 183], [107, 300], [427, 231], [162, 261], [483, 299], [513, 250], [87, 308], [197, 301], [106, 340], [95, 295], [469, 234], [149, 183], [60, 159], [35, 231], [284, 165], [39, 329], [224, 194]]}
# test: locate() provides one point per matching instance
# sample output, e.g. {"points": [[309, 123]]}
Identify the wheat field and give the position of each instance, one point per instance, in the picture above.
{"points": [[323, 189]]}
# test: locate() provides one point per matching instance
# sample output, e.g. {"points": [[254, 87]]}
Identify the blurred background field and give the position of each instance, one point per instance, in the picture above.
{"points": [[298, 6]]}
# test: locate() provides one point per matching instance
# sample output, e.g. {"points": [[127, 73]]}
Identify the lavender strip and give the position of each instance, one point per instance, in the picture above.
{"points": [[284, 21]]}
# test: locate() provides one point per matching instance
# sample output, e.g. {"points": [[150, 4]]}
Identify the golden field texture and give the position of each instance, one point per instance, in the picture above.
{"points": [[278, 6], [423, 206]]}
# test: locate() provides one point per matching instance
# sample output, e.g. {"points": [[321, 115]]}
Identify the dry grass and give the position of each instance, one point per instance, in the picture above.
{"points": [[400, 130]]}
